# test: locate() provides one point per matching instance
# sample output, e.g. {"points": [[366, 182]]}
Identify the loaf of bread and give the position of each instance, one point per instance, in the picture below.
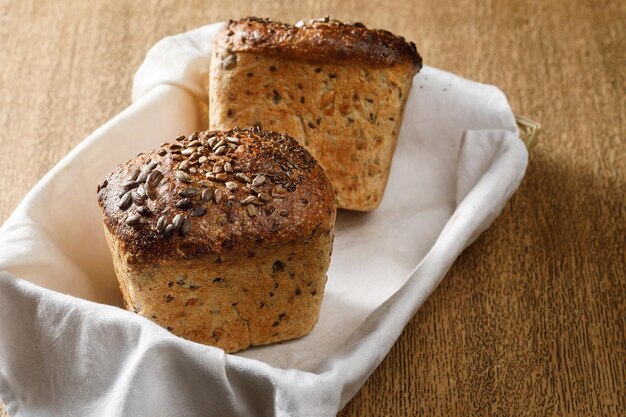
{"points": [[224, 238], [338, 88]]}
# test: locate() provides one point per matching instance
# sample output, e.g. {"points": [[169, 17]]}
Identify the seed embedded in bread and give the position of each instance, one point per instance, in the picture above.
{"points": [[229, 227]]}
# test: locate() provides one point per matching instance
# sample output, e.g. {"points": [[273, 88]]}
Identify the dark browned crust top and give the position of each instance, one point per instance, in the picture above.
{"points": [[272, 191], [320, 40]]}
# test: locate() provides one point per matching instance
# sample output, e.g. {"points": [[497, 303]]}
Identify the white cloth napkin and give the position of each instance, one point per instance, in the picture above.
{"points": [[66, 349]]}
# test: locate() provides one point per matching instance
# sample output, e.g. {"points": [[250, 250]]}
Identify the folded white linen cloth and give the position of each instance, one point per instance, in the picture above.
{"points": [[66, 349]]}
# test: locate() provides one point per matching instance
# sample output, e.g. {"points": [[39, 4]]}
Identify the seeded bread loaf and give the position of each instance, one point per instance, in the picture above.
{"points": [[224, 238], [338, 88]]}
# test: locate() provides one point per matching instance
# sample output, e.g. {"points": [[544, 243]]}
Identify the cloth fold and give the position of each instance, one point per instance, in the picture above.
{"points": [[67, 349]]}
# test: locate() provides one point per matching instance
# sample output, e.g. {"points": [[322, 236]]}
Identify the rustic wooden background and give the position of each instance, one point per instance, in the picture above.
{"points": [[531, 320]]}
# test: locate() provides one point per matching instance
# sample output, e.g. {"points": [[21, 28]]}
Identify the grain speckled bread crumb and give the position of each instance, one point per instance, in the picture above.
{"points": [[223, 238], [338, 88]]}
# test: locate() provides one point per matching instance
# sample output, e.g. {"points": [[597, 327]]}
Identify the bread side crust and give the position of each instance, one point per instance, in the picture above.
{"points": [[242, 299], [347, 116]]}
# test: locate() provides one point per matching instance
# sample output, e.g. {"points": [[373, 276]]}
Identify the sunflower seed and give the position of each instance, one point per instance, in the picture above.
{"points": [[233, 140], [175, 147], [249, 199], [202, 159], [145, 171], [242, 177], [197, 212], [129, 185], [212, 142], [184, 204], [232, 146], [125, 201], [169, 230], [221, 150], [177, 157], [194, 144], [217, 168], [183, 176], [207, 194], [151, 192], [133, 219], [251, 210], [184, 166], [265, 197], [154, 178], [186, 226], [192, 170], [161, 223], [219, 144], [206, 183], [231, 185], [161, 152], [189, 192], [193, 136], [228, 167], [210, 176], [211, 133], [258, 180], [222, 177], [180, 138], [134, 175], [102, 185], [144, 211], [137, 199], [141, 190], [187, 151], [217, 195], [178, 221]]}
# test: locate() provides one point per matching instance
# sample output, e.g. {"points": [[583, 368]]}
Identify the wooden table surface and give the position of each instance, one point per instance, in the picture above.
{"points": [[531, 320]]}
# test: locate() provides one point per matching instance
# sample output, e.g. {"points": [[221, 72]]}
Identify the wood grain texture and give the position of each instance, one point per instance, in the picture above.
{"points": [[531, 320]]}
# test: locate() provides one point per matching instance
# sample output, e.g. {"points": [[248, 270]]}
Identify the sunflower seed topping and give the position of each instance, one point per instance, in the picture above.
{"points": [[185, 227], [218, 195], [184, 204], [137, 199], [197, 212], [189, 192], [178, 221], [154, 178], [169, 230], [207, 194], [242, 177], [265, 197], [133, 219], [251, 210], [141, 191], [161, 223], [228, 167], [144, 211], [184, 166], [249, 199], [231, 185], [180, 138], [125, 201], [258, 180], [102, 185], [183, 176], [222, 177], [221, 150]]}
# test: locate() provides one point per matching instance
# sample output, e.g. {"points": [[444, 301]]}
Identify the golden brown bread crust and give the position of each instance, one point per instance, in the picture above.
{"points": [[182, 201], [323, 40]]}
